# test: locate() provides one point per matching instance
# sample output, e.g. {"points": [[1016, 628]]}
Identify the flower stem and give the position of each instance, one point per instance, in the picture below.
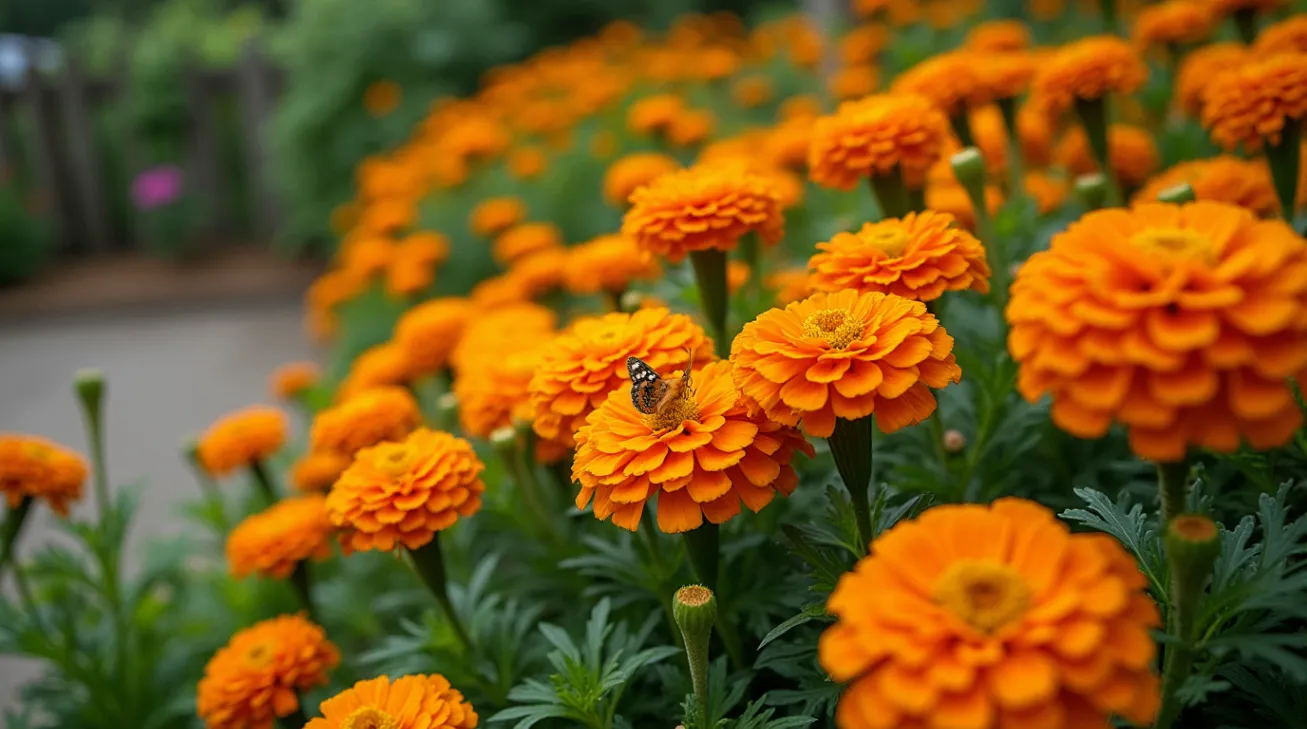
{"points": [[1016, 164], [89, 385], [702, 545], [613, 299], [1093, 117], [751, 253], [429, 563], [851, 446], [1284, 159], [263, 481], [1245, 21], [962, 128], [710, 274], [301, 582], [1108, 8], [212, 493], [1192, 543], [295, 719], [1173, 481], [891, 194], [10, 528]]}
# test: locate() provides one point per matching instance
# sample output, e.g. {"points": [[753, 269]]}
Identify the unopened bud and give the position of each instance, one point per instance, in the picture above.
{"points": [[631, 300], [1192, 544], [1181, 193], [695, 610], [1092, 190], [447, 408], [954, 441], [89, 385], [504, 441], [969, 167]]}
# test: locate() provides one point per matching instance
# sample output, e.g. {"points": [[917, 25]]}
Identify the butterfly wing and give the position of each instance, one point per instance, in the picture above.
{"points": [[647, 388]]}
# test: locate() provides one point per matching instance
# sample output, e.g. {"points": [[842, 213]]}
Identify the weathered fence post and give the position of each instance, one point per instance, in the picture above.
{"points": [[84, 158], [44, 157], [202, 166], [257, 101]]}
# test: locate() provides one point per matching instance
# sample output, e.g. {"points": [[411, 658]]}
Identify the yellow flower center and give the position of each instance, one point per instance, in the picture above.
{"points": [[837, 326], [1175, 243], [985, 595], [259, 655], [369, 717], [395, 459], [679, 407], [891, 241]]}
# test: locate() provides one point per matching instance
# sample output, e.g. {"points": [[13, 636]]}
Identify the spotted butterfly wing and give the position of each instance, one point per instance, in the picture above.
{"points": [[647, 388]]}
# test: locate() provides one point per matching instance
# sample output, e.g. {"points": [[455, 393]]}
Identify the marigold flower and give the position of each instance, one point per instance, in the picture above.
{"points": [[753, 91], [381, 98], [540, 272], [1035, 134], [427, 333], [1062, 620], [1088, 69], [366, 255], [411, 702], [790, 284], [704, 207], [654, 114], [1132, 154], [1230, 7], [861, 45], [241, 438], [700, 456], [608, 263], [32, 467], [413, 266], [1287, 36], [1004, 75], [691, 127], [874, 135], [786, 146], [404, 492], [293, 378], [951, 81], [364, 419], [1049, 192], [388, 216], [1181, 322], [853, 82], [525, 239], [521, 323], [384, 364], [588, 360], [1197, 69], [847, 355], [272, 542], [949, 197], [493, 216], [257, 677], [998, 36], [527, 163], [919, 256], [317, 470], [1252, 102], [1222, 179], [800, 106], [633, 171], [498, 291], [1173, 22]]}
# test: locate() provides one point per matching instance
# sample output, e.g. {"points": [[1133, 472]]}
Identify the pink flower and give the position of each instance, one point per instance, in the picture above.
{"points": [[157, 187]]}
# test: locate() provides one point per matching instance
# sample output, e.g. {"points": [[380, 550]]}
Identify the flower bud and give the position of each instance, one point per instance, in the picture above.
{"points": [[695, 610], [969, 168], [1192, 542], [1181, 193], [89, 385], [954, 440], [1092, 190], [631, 300], [504, 441], [447, 410]]}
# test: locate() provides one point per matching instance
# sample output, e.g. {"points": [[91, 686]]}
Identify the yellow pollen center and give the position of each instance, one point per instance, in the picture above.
{"points": [[1175, 243], [694, 595], [985, 595], [259, 655], [678, 409], [891, 241], [396, 459], [369, 717], [836, 326]]}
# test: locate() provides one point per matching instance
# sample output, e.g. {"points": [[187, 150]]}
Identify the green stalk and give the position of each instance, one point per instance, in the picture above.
{"points": [[851, 446], [1016, 164], [1192, 543], [301, 583], [695, 611], [962, 128], [751, 254], [13, 524], [891, 194], [212, 493], [1108, 8], [263, 481], [295, 719], [1245, 21], [429, 563], [1173, 482], [710, 274], [1093, 117], [89, 385], [703, 546], [1284, 159], [613, 300]]}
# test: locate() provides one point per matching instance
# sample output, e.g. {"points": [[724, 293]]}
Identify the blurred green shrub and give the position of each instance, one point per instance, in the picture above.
{"points": [[26, 239]]}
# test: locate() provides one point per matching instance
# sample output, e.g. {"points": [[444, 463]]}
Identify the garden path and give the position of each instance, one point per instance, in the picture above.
{"points": [[170, 369]]}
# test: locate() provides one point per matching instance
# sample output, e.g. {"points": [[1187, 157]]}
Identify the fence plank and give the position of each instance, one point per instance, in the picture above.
{"points": [[84, 158], [133, 159], [8, 164], [256, 97], [203, 167], [44, 158]]}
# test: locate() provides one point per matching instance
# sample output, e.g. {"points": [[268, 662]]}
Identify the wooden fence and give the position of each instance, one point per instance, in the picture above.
{"points": [[49, 130]]}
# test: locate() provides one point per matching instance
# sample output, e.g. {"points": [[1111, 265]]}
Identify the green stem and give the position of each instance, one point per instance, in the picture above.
{"points": [[90, 390], [696, 654], [1245, 21], [301, 583], [429, 563], [295, 719], [851, 446], [1284, 159], [891, 194], [710, 274], [1016, 164], [613, 300], [1093, 117], [751, 254], [9, 530], [528, 478], [263, 481], [428, 389], [1173, 481], [703, 546], [212, 493], [1108, 8], [916, 199], [962, 128]]}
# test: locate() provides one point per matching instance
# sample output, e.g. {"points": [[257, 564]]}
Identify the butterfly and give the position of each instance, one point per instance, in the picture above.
{"points": [[650, 393]]}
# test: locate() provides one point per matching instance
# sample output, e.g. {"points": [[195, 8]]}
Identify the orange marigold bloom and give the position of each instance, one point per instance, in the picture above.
{"points": [[800, 106], [540, 272], [493, 216], [388, 216], [366, 418], [873, 136], [413, 266], [293, 378], [258, 676], [1049, 192], [861, 45], [1035, 133], [411, 702], [704, 207], [241, 438], [527, 163], [1062, 619], [919, 256], [1252, 102], [1287, 36], [318, 470], [691, 127], [381, 98], [384, 364], [701, 456], [950, 197], [949, 80], [588, 360], [1181, 322], [654, 114], [523, 240], [790, 284], [1088, 69], [608, 263], [366, 255], [1004, 75], [502, 328], [1224, 178], [998, 36], [427, 333], [32, 467], [853, 82], [1174, 22], [1197, 69], [1230, 7], [633, 171], [847, 355], [272, 542], [493, 393], [1132, 153], [752, 92], [786, 146], [404, 492], [498, 291]]}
